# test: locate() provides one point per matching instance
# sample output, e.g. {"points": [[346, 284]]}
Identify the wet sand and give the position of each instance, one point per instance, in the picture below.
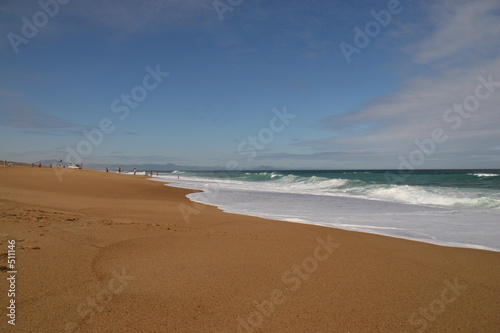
{"points": [[102, 252]]}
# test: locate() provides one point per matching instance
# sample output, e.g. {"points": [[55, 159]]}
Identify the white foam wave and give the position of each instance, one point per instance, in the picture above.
{"points": [[484, 174], [439, 215], [315, 185], [448, 197]]}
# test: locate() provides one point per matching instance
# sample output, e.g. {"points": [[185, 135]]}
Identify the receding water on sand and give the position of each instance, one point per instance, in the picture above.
{"points": [[449, 208]]}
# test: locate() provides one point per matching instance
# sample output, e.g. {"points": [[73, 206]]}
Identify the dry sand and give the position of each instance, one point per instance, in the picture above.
{"points": [[102, 252]]}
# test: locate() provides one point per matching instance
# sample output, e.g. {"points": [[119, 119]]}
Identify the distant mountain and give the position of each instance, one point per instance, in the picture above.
{"points": [[153, 167], [266, 167], [164, 167]]}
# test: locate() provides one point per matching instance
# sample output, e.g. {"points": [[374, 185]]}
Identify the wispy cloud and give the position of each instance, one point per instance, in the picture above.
{"points": [[36, 155], [31, 120], [381, 160], [393, 123], [465, 30], [123, 18], [131, 16]]}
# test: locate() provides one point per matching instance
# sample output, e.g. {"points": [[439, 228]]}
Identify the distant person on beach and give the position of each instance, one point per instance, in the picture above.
{"points": [[32, 165], [39, 164], [135, 171], [107, 170], [119, 170]]}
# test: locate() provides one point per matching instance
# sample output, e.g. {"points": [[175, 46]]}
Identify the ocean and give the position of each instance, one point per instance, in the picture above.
{"points": [[459, 208]]}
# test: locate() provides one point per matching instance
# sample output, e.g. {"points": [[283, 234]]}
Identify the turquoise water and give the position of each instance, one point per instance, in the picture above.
{"points": [[447, 207], [458, 178], [461, 188]]}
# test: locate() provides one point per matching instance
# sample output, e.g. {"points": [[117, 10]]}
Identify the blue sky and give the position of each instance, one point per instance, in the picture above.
{"points": [[417, 88]]}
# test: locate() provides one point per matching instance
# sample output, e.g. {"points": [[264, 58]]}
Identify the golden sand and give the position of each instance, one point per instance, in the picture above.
{"points": [[102, 252]]}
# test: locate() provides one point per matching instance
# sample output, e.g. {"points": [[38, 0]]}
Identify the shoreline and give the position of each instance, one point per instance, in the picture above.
{"points": [[124, 243], [203, 196]]}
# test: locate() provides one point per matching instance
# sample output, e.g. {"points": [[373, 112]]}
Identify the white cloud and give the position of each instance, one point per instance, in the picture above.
{"points": [[393, 123], [464, 29]]}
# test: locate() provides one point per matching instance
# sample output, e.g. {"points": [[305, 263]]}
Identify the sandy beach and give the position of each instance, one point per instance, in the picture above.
{"points": [[103, 252]]}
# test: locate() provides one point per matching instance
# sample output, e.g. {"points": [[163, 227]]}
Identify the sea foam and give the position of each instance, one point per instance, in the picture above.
{"points": [[443, 215]]}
